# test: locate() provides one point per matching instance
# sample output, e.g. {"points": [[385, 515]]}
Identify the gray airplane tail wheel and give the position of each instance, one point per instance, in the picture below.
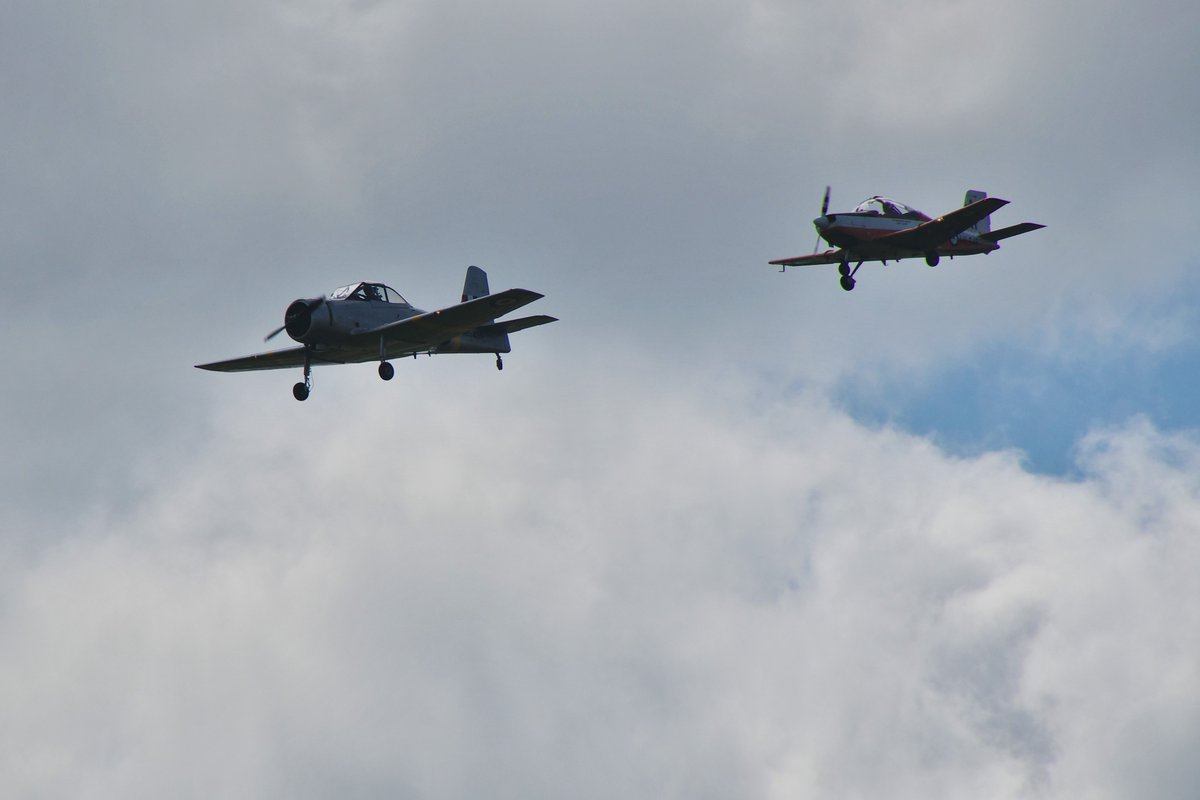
{"points": [[300, 391], [847, 282], [386, 370]]}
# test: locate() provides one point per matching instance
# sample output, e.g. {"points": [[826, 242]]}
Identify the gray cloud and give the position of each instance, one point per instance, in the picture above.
{"points": [[625, 566]]}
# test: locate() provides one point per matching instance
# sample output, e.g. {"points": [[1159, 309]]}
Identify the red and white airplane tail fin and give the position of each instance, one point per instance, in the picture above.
{"points": [[984, 225]]}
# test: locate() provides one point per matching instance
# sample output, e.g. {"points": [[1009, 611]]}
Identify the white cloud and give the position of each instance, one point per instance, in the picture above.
{"points": [[520, 590]]}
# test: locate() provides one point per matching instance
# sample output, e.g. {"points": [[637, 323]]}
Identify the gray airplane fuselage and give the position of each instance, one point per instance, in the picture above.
{"points": [[345, 321]]}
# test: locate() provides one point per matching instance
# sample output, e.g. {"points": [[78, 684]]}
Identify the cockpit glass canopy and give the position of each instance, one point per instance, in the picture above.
{"points": [[887, 208], [377, 292]]}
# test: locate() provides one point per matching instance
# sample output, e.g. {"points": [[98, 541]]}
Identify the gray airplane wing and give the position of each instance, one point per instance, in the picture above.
{"points": [[275, 359], [435, 327]]}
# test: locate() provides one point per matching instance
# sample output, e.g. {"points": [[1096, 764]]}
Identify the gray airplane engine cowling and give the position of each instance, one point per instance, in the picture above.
{"points": [[308, 321]]}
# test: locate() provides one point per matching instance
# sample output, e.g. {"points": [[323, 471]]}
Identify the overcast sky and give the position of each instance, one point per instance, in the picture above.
{"points": [[720, 531]]}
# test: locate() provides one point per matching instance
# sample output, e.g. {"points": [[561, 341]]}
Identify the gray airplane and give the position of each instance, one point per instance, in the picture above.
{"points": [[372, 322]]}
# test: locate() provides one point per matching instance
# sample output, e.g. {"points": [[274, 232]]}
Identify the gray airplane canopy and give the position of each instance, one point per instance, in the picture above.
{"points": [[368, 291]]}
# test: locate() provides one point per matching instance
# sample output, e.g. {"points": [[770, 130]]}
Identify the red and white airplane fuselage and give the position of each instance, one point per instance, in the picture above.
{"points": [[857, 230]]}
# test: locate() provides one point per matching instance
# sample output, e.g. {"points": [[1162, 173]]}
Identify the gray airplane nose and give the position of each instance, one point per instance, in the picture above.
{"points": [[297, 320], [824, 221]]}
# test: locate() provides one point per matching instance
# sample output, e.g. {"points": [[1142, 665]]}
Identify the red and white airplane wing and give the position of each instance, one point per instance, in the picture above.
{"points": [[828, 257], [1011, 230], [928, 236]]}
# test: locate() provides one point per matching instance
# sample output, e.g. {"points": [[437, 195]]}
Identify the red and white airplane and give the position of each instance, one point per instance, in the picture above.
{"points": [[884, 230]]}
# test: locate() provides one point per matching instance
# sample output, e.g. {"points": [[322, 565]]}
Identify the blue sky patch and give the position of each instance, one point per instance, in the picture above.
{"points": [[1012, 395]]}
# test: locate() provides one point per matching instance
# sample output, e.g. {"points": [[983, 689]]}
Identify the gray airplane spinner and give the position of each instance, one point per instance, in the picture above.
{"points": [[372, 322]]}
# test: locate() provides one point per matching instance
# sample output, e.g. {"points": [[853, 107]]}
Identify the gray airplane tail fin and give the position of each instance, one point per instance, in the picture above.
{"points": [[489, 337], [476, 284], [984, 225]]}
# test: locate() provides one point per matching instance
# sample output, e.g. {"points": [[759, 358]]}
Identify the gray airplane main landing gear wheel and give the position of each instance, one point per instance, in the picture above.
{"points": [[932, 259], [300, 390], [847, 282], [386, 370], [499, 362]]}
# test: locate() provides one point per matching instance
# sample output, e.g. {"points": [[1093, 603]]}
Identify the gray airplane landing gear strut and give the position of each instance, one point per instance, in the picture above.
{"points": [[301, 390], [499, 362], [386, 370]]}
